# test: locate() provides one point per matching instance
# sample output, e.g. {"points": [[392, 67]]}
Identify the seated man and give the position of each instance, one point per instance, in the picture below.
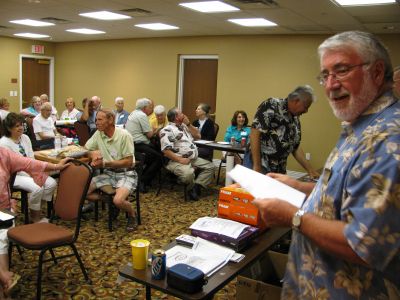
{"points": [[112, 148], [177, 144], [54, 113], [43, 124], [138, 126], [121, 115], [88, 114]]}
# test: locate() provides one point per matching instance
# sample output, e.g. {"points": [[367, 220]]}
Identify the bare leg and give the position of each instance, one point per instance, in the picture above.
{"points": [[120, 201]]}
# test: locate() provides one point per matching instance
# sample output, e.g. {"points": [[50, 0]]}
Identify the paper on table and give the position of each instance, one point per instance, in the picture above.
{"points": [[262, 186], [203, 142], [205, 256], [5, 216], [218, 225]]}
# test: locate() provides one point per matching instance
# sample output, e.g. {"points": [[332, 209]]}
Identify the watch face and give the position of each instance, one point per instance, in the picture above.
{"points": [[296, 221]]}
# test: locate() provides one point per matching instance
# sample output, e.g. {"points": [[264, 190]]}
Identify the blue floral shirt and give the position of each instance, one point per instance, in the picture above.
{"points": [[232, 131], [360, 185]]}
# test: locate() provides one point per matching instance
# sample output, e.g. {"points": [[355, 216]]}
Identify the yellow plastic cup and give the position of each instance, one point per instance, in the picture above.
{"points": [[140, 252]]}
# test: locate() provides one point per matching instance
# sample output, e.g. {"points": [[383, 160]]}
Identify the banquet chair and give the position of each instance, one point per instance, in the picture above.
{"points": [[83, 132], [107, 193], [68, 208]]}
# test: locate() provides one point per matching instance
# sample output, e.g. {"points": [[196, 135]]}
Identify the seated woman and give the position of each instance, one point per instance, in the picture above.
{"points": [[206, 128], [10, 163], [16, 141], [238, 130], [71, 113], [34, 109], [4, 108], [43, 124]]}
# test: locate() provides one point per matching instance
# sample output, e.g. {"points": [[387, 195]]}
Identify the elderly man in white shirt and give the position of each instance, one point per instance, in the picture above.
{"points": [[43, 124], [54, 113]]}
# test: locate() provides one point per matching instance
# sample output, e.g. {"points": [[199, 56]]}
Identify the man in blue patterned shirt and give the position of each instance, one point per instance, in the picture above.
{"points": [[346, 237]]}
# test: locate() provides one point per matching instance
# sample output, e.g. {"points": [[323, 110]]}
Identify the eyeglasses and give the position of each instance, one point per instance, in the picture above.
{"points": [[339, 73]]}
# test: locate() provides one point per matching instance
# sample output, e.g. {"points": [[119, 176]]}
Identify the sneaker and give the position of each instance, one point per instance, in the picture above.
{"points": [[131, 224], [88, 207], [193, 194]]}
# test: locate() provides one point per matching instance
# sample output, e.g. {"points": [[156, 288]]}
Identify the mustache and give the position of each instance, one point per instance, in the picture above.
{"points": [[338, 94]]}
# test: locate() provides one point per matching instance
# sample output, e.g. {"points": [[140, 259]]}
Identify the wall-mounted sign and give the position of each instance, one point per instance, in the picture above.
{"points": [[38, 49]]}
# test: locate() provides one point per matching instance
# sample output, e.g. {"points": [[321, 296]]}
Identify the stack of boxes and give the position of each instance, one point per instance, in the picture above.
{"points": [[235, 203]]}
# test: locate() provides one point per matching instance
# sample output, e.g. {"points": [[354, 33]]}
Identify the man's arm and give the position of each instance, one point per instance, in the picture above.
{"points": [[255, 139], [301, 159], [85, 113], [44, 136], [195, 132], [172, 156], [326, 234]]}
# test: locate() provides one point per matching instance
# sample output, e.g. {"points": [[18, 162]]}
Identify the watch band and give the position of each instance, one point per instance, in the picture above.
{"points": [[296, 220]]}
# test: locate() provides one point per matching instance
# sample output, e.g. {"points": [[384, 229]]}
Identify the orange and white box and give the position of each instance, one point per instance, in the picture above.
{"points": [[236, 204]]}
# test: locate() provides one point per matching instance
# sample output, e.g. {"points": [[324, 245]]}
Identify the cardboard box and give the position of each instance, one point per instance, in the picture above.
{"points": [[262, 279], [236, 204]]}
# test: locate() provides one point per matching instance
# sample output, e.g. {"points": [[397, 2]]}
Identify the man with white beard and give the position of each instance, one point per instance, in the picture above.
{"points": [[346, 237]]}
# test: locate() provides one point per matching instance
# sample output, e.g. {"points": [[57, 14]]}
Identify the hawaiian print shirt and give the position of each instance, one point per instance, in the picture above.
{"points": [[179, 140], [360, 185], [280, 133]]}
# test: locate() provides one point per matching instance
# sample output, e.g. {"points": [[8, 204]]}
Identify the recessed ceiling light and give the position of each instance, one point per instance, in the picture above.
{"points": [[85, 31], [363, 2], [105, 15], [253, 22], [209, 6], [157, 26], [29, 22], [32, 35]]}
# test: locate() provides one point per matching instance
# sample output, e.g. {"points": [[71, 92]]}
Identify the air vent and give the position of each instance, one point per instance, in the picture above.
{"points": [[137, 12], [55, 20], [270, 3]]}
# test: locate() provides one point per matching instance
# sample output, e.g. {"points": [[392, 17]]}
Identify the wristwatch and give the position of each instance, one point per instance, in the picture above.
{"points": [[296, 220]]}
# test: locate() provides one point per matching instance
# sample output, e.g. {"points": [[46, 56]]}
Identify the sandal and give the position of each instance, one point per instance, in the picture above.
{"points": [[15, 278]]}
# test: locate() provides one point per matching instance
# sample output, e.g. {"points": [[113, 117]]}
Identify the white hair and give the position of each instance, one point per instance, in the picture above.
{"points": [[119, 99], [142, 103], [159, 109]]}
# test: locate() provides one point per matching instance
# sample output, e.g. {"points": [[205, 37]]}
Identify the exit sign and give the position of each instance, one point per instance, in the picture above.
{"points": [[38, 49]]}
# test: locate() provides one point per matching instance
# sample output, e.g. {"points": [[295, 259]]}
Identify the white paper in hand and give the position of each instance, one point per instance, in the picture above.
{"points": [[262, 186]]}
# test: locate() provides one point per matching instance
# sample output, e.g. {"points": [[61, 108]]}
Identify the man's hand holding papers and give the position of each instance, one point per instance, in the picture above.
{"points": [[276, 201]]}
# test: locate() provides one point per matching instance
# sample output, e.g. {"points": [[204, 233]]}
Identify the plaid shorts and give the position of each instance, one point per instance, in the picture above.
{"points": [[127, 179]]}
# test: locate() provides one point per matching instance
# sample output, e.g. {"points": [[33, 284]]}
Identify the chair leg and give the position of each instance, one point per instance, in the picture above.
{"points": [[96, 211], [10, 246], [39, 276], [219, 171], [53, 256], [139, 221], [185, 192], [50, 208], [110, 213], [24, 206], [80, 263]]}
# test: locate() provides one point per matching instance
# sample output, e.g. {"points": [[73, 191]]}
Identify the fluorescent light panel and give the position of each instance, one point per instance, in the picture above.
{"points": [[209, 6], [85, 31], [253, 22], [363, 2], [29, 22], [32, 35], [104, 15], [157, 26]]}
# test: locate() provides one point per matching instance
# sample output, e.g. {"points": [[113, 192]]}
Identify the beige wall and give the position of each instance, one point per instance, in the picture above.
{"points": [[10, 50], [251, 68]]}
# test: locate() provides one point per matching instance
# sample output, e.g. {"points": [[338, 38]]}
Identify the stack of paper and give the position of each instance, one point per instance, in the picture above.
{"points": [[262, 186], [205, 256]]}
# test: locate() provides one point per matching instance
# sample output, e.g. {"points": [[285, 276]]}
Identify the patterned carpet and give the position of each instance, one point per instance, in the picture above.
{"points": [[163, 218]]}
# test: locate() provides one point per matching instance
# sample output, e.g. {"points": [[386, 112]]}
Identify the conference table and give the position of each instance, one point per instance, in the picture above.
{"points": [[228, 148], [217, 281]]}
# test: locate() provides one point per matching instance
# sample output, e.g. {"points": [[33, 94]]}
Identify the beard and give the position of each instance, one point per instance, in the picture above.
{"points": [[352, 108]]}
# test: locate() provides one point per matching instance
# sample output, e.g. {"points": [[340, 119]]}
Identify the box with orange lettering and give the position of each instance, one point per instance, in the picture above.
{"points": [[236, 204]]}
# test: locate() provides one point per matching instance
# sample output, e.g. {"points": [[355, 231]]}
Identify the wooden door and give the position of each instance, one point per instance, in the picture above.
{"points": [[199, 85], [35, 78]]}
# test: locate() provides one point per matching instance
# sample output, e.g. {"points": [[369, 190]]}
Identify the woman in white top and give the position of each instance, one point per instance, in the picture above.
{"points": [[71, 112], [16, 141]]}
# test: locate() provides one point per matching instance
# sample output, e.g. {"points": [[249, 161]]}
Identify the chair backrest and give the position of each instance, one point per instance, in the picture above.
{"points": [[72, 189], [83, 132], [216, 129]]}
